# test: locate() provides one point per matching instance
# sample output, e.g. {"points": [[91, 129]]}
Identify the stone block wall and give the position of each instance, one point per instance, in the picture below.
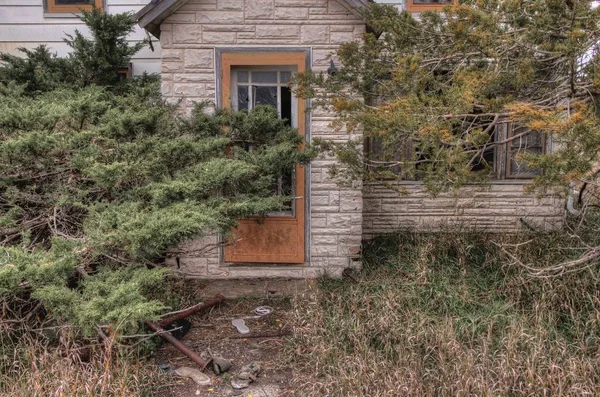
{"points": [[502, 207], [189, 38]]}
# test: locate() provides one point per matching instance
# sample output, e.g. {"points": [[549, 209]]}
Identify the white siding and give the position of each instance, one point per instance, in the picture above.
{"points": [[23, 23]]}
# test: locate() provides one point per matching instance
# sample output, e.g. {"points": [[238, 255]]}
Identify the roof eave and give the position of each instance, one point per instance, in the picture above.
{"points": [[154, 13]]}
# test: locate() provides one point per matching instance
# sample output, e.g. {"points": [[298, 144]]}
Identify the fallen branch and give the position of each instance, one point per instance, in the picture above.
{"points": [[148, 336], [584, 262]]}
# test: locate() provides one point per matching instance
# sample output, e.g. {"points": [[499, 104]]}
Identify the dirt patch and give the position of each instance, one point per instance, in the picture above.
{"points": [[212, 329]]}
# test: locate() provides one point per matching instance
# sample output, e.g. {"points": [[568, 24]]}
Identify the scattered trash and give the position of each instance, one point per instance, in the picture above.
{"points": [[247, 374], [279, 334], [219, 363], [263, 310], [164, 367], [240, 325], [196, 375], [179, 328]]}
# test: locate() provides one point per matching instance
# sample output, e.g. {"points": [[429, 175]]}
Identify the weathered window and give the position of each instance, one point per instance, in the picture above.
{"points": [[71, 6], [427, 5], [501, 156], [264, 86], [268, 85], [523, 141]]}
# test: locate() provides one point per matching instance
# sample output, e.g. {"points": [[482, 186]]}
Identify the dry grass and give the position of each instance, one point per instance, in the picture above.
{"points": [[449, 315], [35, 367]]}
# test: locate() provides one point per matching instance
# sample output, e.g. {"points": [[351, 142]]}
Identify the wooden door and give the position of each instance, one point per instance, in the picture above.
{"points": [[276, 238]]}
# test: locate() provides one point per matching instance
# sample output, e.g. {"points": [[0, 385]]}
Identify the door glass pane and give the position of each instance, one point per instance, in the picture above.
{"points": [[265, 96], [286, 104], [242, 76], [264, 77], [242, 98], [286, 76]]}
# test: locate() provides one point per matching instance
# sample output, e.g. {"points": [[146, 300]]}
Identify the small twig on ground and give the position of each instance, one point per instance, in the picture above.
{"points": [[149, 335]]}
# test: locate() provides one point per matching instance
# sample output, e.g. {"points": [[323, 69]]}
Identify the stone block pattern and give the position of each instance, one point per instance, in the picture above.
{"points": [[498, 208], [189, 38]]}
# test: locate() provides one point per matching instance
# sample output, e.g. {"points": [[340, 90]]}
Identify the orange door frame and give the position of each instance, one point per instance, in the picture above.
{"points": [[271, 239]]}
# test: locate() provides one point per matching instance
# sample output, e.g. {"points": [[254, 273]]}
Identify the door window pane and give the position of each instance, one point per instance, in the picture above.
{"points": [[265, 96], [242, 76], [286, 76], [264, 77], [260, 87], [243, 99], [286, 104]]}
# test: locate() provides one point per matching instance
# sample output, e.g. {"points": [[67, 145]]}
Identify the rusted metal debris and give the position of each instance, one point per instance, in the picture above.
{"points": [[180, 346], [158, 328], [194, 309]]}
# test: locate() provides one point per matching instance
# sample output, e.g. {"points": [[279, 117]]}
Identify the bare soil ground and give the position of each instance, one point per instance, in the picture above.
{"points": [[212, 329]]}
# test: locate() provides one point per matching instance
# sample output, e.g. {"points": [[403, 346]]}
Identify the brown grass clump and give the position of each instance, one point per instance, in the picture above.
{"points": [[34, 366], [449, 314]]}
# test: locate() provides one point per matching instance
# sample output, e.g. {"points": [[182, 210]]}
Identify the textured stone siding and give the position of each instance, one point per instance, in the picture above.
{"points": [[189, 38], [494, 208]]}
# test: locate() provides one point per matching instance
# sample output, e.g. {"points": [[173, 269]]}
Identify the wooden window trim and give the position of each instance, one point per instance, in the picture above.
{"points": [[53, 8], [412, 7], [125, 71]]}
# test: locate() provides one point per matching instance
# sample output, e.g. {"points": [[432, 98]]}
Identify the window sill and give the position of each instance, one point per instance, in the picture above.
{"points": [[63, 15], [491, 182]]}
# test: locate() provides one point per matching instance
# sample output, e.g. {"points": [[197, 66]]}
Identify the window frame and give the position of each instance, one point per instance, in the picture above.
{"points": [[250, 84], [412, 7], [53, 8], [500, 171], [125, 72], [507, 151], [279, 84]]}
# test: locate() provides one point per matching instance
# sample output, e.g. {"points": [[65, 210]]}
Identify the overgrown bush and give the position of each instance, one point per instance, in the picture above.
{"points": [[95, 58], [96, 182], [93, 181]]}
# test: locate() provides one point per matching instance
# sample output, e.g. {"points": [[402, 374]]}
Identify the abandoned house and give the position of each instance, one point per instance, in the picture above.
{"points": [[242, 53], [230, 50]]}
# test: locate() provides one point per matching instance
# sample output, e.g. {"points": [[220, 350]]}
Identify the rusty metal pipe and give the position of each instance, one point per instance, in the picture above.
{"points": [[188, 312], [180, 346]]}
